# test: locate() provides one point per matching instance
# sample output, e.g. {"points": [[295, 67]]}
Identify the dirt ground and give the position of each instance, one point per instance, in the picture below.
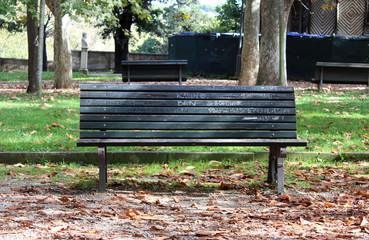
{"points": [[31, 207]]}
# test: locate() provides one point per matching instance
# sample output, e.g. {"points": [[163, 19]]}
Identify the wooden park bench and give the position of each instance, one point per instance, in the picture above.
{"points": [[154, 70], [342, 73], [164, 115]]}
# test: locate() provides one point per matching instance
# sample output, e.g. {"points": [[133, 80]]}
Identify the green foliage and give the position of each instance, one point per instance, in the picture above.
{"points": [[152, 45], [167, 21], [229, 16]]}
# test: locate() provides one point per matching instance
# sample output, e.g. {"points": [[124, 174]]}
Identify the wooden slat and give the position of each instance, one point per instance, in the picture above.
{"points": [[174, 88], [154, 62], [185, 126], [191, 142], [188, 110], [183, 103], [186, 135], [186, 118], [340, 64], [186, 95]]}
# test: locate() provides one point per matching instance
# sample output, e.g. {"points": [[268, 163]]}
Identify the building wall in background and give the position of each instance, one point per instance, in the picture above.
{"points": [[97, 61]]}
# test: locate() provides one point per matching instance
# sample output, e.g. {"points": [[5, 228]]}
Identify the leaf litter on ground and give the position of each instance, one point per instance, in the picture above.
{"points": [[219, 201]]}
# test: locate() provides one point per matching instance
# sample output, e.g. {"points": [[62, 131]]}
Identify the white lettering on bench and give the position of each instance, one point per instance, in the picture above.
{"points": [[192, 95], [186, 103], [224, 103], [247, 110], [249, 118]]}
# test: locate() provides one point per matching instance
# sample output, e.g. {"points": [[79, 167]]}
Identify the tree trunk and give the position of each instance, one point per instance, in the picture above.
{"points": [[62, 49], [250, 49], [44, 54], [269, 44], [287, 4], [32, 37], [122, 34]]}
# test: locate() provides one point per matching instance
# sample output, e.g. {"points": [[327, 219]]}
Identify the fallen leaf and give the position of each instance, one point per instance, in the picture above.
{"points": [[329, 205], [71, 137], [364, 222], [214, 162], [64, 199], [157, 228], [19, 165], [304, 222], [11, 173], [206, 233], [190, 168], [55, 124]]}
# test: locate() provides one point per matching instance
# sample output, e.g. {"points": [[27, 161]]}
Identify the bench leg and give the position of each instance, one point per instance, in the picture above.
{"points": [[276, 167], [102, 168], [321, 79], [180, 74]]}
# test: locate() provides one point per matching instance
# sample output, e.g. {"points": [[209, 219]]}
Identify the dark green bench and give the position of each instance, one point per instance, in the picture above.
{"points": [[154, 70], [154, 115], [342, 73]]}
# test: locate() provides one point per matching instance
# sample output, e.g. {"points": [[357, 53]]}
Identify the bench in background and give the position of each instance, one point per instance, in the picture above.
{"points": [[154, 70], [163, 115], [342, 73]]}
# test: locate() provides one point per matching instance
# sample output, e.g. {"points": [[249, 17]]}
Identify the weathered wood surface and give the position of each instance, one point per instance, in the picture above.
{"points": [[187, 113], [154, 70], [134, 115]]}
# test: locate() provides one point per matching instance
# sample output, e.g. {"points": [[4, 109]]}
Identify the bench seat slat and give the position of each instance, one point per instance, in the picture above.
{"points": [[187, 95], [188, 110], [153, 62], [185, 126], [191, 142], [186, 135], [180, 103], [187, 118]]}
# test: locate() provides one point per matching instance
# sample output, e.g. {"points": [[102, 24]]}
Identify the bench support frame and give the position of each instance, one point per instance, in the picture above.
{"points": [[276, 167], [277, 156], [103, 170]]}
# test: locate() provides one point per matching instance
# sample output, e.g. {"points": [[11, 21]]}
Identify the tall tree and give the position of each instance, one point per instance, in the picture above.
{"points": [[122, 33], [13, 15], [250, 46], [269, 43], [62, 48], [271, 69], [33, 43]]}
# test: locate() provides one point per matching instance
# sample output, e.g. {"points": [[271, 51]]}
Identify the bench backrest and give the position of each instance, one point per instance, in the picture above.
{"points": [[187, 112], [154, 70]]}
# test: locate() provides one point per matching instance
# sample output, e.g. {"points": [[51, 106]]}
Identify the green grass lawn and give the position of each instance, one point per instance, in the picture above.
{"points": [[49, 76], [331, 121]]}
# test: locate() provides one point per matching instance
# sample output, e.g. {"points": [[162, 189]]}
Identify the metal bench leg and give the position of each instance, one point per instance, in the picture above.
{"points": [[273, 154], [102, 168], [276, 167], [280, 170], [321, 78], [129, 75], [180, 75]]}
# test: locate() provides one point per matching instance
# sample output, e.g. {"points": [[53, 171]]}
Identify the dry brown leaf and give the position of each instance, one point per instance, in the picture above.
{"points": [[55, 124], [206, 233], [364, 222]]}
